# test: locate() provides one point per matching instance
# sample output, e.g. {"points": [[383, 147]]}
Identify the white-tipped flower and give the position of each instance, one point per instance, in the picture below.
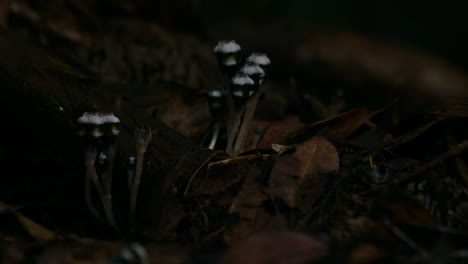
{"points": [[242, 80], [217, 102], [90, 119], [227, 53], [102, 156], [255, 72], [131, 160], [252, 70], [241, 87], [259, 59], [110, 119], [92, 122], [102, 159], [216, 94], [112, 122], [95, 123], [227, 47]]}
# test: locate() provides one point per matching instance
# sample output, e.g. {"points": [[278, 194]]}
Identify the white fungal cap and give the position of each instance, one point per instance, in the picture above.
{"points": [[252, 70], [242, 80], [215, 94], [110, 119], [259, 59], [96, 120], [227, 47], [102, 157], [90, 119], [238, 93]]}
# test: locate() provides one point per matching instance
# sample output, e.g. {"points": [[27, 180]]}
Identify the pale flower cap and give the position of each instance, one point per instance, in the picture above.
{"points": [[227, 46], [242, 80], [259, 59], [238, 93], [252, 70], [215, 93], [90, 119], [110, 119]]}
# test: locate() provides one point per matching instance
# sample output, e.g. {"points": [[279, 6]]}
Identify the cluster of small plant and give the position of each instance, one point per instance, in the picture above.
{"points": [[234, 105], [99, 132]]}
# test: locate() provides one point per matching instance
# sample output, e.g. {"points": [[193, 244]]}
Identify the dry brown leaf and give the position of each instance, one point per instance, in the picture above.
{"points": [[297, 178], [276, 131]]}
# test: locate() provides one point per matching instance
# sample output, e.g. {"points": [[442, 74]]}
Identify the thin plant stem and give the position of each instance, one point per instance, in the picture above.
{"points": [[88, 198], [214, 139], [236, 121], [244, 129], [256, 139], [230, 118], [135, 186], [91, 170], [111, 150], [107, 210], [143, 138]]}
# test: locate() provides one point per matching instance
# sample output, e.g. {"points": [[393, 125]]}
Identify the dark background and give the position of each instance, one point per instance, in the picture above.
{"points": [[437, 27]]}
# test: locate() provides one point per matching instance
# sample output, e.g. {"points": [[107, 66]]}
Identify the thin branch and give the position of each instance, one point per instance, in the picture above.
{"points": [[408, 177]]}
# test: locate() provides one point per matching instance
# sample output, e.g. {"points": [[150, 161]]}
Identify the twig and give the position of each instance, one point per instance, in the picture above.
{"points": [[236, 118], [405, 238], [108, 176], [143, 137], [407, 177], [90, 157], [36, 20], [230, 118], [214, 139], [88, 198], [259, 130], [248, 116]]}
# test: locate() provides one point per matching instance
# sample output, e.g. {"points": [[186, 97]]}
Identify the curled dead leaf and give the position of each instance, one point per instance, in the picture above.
{"points": [[297, 178]]}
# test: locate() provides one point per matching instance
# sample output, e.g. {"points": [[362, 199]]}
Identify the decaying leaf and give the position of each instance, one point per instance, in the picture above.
{"points": [[275, 132], [298, 177]]}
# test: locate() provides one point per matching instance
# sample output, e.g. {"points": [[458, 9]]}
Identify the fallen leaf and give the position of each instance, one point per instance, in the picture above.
{"points": [[298, 177], [275, 132]]}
